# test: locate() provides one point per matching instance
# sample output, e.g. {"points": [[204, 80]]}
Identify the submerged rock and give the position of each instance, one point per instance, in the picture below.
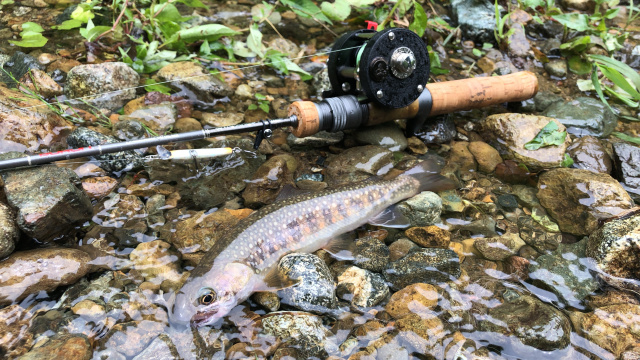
{"points": [[193, 77], [299, 330], [14, 327], [29, 272], [9, 232], [566, 272], [156, 261], [499, 248], [357, 164], [627, 159], [589, 153], [536, 236], [577, 199], [319, 139], [130, 338], [509, 133], [315, 290], [423, 209], [431, 266], [387, 135], [414, 299], [361, 287], [533, 322], [49, 200], [34, 128], [114, 162], [371, 254], [486, 156], [40, 83], [269, 180], [108, 85], [437, 130], [616, 250], [161, 348], [583, 116], [615, 328], [62, 346]]}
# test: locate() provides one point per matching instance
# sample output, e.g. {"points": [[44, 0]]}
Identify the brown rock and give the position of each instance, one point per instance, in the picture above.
{"points": [[88, 309], [429, 236], [186, 124], [133, 105], [414, 299], [193, 76], [499, 248], [149, 189], [222, 119], [577, 199], [486, 156], [458, 249], [39, 82], [461, 159], [64, 65], [486, 65], [29, 272], [33, 129], [423, 333], [517, 266], [508, 133], [417, 146], [612, 297], [588, 153], [614, 327], [131, 338], [99, 187], [156, 261], [16, 338], [198, 233], [268, 180], [400, 248], [62, 346]]}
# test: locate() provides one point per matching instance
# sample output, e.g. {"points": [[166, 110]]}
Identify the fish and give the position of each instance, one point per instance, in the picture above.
{"points": [[245, 260]]}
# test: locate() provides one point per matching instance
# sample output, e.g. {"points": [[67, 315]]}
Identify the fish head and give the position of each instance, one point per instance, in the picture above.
{"points": [[206, 298]]}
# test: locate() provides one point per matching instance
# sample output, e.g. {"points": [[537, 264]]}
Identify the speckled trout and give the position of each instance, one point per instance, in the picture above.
{"points": [[245, 260]]}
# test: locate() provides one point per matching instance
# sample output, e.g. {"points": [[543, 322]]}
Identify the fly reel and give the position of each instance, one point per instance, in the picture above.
{"points": [[390, 67]]}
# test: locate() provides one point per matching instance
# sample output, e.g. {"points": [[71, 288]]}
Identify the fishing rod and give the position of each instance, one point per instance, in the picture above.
{"points": [[375, 76]]}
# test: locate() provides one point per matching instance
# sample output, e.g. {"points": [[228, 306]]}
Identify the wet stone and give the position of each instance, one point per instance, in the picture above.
{"points": [[199, 232], [157, 117], [400, 248], [161, 348], [544, 99], [29, 272], [39, 82], [583, 116], [18, 65], [486, 156], [114, 162], [317, 140], [537, 236], [371, 254], [156, 261], [431, 266], [475, 18], [130, 338], [533, 322], [421, 334], [358, 164], [589, 153], [627, 159], [126, 130], [316, 288], [614, 327], [222, 119], [429, 236], [387, 135], [267, 299], [414, 299], [508, 202], [108, 85], [302, 331], [576, 199], [269, 180], [195, 78], [423, 209], [509, 133], [499, 248], [556, 68], [49, 200], [437, 130], [616, 250], [361, 287], [14, 327], [566, 272], [62, 346], [9, 233]]}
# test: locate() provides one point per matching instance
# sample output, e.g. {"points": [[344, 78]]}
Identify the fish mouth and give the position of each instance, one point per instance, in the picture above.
{"points": [[203, 318]]}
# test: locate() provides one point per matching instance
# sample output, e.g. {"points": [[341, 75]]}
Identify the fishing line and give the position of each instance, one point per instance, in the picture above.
{"points": [[44, 103]]}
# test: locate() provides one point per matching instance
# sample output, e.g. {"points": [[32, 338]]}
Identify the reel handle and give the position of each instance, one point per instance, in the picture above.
{"points": [[436, 99]]}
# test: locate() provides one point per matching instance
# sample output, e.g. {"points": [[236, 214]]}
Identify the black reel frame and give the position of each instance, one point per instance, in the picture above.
{"points": [[390, 67]]}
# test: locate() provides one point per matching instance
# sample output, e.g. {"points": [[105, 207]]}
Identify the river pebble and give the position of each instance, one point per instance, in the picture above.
{"points": [[9, 232], [499, 248], [316, 288], [300, 330], [431, 266], [108, 85], [361, 287], [387, 135], [423, 209], [429, 236], [417, 298], [371, 254], [583, 116], [114, 162], [193, 77], [358, 164], [627, 160], [61, 346], [589, 153]]}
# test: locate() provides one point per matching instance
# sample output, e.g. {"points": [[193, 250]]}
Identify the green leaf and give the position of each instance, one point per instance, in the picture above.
{"points": [[254, 41], [209, 32], [260, 96], [548, 136], [30, 39], [361, 3], [169, 13], [91, 31], [477, 52], [252, 107], [31, 27], [152, 85], [487, 46], [240, 48], [264, 106], [83, 14], [578, 66], [193, 3], [619, 81], [338, 10], [420, 20], [68, 24], [623, 68], [307, 9], [625, 137], [567, 161], [575, 21], [577, 45]]}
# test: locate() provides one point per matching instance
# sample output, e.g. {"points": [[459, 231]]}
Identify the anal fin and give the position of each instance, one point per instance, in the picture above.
{"points": [[391, 217], [341, 247]]}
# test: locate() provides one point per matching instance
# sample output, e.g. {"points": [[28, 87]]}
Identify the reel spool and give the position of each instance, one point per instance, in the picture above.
{"points": [[389, 68]]}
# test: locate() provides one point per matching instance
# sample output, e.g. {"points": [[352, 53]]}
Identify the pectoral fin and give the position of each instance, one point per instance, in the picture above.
{"points": [[341, 247], [273, 280], [391, 217]]}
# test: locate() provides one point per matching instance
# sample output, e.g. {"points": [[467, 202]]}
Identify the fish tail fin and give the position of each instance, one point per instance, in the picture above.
{"points": [[427, 174]]}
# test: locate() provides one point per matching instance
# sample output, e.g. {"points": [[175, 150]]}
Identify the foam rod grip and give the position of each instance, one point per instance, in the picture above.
{"points": [[467, 94]]}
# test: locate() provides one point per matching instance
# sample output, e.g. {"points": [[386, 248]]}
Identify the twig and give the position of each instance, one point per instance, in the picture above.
{"points": [[113, 28]]}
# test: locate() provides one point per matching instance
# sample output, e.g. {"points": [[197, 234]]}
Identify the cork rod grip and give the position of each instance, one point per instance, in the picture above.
{"points": [[467, 94]]}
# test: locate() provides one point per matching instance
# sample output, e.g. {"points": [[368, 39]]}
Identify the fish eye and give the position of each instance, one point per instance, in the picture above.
{"points": [[207, 298]]}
